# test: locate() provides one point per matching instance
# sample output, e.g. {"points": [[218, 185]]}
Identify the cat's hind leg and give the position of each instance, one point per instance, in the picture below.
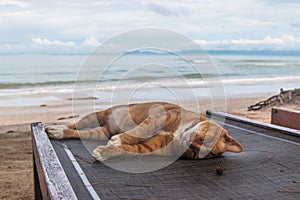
{"points": [[98, 133], [89, 121], [144, 131], [156, 145]]}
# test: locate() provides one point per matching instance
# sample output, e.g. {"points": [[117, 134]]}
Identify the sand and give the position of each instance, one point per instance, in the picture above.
{"points": [[16, 171]]}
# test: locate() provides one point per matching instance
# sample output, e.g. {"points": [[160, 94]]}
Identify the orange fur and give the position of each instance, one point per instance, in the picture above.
{"points": [[155, 127]]}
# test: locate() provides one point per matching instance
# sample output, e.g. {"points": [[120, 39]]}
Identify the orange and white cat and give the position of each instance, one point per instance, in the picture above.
{"points": [[150, 128]]}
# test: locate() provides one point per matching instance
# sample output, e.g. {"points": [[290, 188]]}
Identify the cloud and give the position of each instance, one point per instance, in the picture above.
{"points": [[46, 42], [21, 4], [44, 45], [295, 25], [171, 10], [8, 16], [285, 42], [76, 25], [91, 41], [283, 1], [242, 21]]}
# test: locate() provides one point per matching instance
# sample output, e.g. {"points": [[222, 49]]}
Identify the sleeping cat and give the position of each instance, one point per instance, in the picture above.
{"points": [[150, 128]]}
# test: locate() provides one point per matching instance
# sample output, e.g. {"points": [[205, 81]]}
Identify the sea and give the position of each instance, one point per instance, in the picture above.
{"points": [[135, 76]]}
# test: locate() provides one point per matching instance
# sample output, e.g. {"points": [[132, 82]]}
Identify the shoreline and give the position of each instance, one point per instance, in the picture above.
{"points": [[64, 108], [71, 109]]}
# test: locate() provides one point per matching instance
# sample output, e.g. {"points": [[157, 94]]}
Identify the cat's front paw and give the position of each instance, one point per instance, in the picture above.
{"points": [[56, 131], [102, 153], [115, 141], [97, 153]]}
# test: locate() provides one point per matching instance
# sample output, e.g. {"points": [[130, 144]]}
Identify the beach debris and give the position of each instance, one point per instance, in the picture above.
{"points": [[289, 191], [43, 105], [284, 96], [220, 170], [82, 98], [296, 181], [10, 131], [62, 118], [269, 158], [70, 117], [133, 185], [82, 159], [73, 116]]}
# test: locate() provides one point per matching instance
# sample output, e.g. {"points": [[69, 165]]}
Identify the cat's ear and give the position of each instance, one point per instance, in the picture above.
{"points": [[232, 145]]}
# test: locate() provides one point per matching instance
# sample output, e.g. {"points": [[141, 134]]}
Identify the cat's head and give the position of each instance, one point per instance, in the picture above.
{"points": [[208, 139]]}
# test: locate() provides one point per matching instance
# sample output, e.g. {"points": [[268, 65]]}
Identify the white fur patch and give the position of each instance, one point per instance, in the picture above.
{"points": [[97, 155], [115, 141], [56, 131], [203, 151]]}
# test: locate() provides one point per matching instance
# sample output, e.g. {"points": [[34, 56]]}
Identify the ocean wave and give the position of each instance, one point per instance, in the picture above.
{"points": [[30, 85], [266, 63], [263, 79], [69, 86], [259, 60], [159, 75], [270, 64], [199, 61], [203, 82], [190, 83], [198, 75]]}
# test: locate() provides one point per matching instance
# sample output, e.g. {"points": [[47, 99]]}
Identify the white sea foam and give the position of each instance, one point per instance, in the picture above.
{"points": [[266, 80], [270, 64], [199, 61]]}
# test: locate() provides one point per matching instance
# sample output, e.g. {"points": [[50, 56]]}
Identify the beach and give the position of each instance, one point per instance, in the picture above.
{"points": [[16, 170], [64, 89]]}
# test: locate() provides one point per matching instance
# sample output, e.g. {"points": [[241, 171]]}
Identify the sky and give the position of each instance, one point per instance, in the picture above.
{"points": [[77, 26]]}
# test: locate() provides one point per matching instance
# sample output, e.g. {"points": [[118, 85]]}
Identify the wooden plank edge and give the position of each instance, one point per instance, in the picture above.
{"points": [[287, 109], [52, 178], [284, 130], [285, 117]]}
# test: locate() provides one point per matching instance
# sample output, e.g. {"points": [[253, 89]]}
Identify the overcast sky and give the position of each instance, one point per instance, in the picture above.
{"points": [[78, 26]]}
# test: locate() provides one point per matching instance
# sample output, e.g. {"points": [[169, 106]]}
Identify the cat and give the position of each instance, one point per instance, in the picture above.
{"points": [[158, 128]]}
